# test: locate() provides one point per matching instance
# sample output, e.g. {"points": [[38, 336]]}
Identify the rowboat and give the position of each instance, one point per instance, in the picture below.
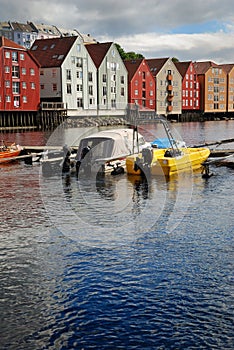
{"points": [[9, 152], [166, 162]]}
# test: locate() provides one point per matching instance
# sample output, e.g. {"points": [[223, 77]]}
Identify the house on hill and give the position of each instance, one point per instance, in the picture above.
{"points": [[141, 84], [190, 86], [67, 74], [213, 85], [19, 78], [112, 78], [168, 86]]}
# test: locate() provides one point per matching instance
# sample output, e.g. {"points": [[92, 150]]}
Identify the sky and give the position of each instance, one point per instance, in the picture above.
{"points": [[194, 30]]}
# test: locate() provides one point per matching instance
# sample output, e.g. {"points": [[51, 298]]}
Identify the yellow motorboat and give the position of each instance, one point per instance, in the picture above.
{"points": [[166, 161]]}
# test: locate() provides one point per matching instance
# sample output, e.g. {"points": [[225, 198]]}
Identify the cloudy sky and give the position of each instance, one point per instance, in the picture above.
{"points": [[189, 30]]}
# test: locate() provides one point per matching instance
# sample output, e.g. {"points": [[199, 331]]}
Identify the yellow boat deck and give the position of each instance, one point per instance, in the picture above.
{"points": [[189, 159]]}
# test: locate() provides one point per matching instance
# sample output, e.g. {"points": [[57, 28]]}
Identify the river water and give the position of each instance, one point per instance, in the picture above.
{"points": [[118, 264]]}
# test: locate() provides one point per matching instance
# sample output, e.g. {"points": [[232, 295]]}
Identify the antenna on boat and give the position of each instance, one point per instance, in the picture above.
{"points": [[171, 139], [135, 130]]}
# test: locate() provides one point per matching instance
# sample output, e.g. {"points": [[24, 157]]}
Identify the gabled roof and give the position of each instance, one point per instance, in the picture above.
{"points": [[155, 64], [22, 27], [203, 67], [52, 52], [132, 67], [182, 67], [98, 51], [4, 42], [227, 67]]}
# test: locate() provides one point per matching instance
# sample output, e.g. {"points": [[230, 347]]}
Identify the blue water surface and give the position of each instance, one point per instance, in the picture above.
{"points": [[161, 290]]}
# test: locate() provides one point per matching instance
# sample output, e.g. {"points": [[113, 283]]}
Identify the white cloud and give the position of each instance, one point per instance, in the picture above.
{"points": [[150, 27]]}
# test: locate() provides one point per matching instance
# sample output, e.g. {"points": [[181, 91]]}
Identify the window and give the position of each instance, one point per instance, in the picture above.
{"points": [[32, 71], [22, 56], [54, 73], [42, 86], [143, 75], [79, 87], [78, 62], [41, 72], [122, 91], [8, 98], [15, 87], [54, 87], [78, 47], [104, 91], [90, 76], [24, 85], [7, 69], [79, 102], [90, 89], [69, 89], [25, 99], [7, 83], [79, 75], [33, 86], [16, 101], [104, 78], [136, 92], [7, 54], [14, 56], [113, 103], [68, 74], [122, 79], [15, 71]]}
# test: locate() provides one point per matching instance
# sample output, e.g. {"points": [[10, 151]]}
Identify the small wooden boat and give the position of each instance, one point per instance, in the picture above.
{"points": [[9, 152], [166, 161]]}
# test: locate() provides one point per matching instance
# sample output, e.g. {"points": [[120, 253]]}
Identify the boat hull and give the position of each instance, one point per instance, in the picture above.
{"points": [[9, 154], [190, 159]]}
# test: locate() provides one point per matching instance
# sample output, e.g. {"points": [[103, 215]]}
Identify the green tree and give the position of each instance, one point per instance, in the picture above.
{"points": [[128, 55]]}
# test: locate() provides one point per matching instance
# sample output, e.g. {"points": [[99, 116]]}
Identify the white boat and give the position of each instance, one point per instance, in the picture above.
{"points": [[106, 151]]}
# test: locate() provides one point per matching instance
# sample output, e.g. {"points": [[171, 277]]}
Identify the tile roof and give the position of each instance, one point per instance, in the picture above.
{"points": [[183, 67], [227, 67], [4, 42], [132, 66], [155, 64], [202, 67], [98, 51], [22, 27], [52, 52]]}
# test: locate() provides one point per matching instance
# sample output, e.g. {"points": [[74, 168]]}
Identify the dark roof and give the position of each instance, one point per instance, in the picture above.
{"points": [[155, 64], [98, 51], [22, 27], [182, 67], [227, 67], [132, 67], [52, 52], [4, 42], [202, 67]]}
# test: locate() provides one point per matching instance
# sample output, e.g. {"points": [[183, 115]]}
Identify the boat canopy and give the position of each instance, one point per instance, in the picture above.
{"points": [[111, 144], [165, 143]]}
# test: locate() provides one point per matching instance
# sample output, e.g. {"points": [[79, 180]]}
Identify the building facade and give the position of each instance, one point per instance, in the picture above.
{"points": [[141, 84], [229, 69], [67, 74], [190, 87], [19, 78], [213, 85], [112, 78], [168, 86]]}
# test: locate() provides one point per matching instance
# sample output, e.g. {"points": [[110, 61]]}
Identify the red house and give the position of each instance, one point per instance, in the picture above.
{"points": [[19, 78], [190, 86], [141, 84]]}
